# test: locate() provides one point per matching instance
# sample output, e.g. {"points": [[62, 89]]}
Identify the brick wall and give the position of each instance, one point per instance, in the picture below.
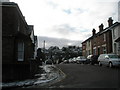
{"points": [[15, 29], [7, 50]]}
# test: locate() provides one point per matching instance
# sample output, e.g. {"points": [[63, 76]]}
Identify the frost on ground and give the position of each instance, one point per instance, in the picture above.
{"points": [[50, 73]]}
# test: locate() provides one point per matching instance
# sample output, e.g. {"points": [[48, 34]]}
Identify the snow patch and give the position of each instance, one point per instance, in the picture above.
{"points": [[48, 75]]}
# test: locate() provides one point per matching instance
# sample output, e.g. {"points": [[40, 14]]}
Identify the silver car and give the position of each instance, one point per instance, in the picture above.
{"points": [[80, 59], [109, 60]]}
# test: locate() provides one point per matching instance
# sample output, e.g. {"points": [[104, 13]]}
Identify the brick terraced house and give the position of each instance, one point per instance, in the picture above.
{"points": [[17, 44], [102, 42]]}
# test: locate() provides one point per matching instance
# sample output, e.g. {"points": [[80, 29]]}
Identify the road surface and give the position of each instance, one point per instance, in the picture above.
{"points": [[88, 76]]}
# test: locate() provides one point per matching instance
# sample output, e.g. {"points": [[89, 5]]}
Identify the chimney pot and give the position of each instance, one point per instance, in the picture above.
{"points": [[93, 32], [101, 27], [110, 22]]}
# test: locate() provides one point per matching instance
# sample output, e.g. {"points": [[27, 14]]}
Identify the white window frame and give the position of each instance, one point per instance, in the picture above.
{"points": [[104, 50], [21, 51], [113, 33], [94, 51], [104, 37]]}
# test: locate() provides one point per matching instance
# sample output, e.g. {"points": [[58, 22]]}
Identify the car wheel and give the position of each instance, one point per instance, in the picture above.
{"points": [[100, 64], [92, 63], [77, 62], [110, 65]]}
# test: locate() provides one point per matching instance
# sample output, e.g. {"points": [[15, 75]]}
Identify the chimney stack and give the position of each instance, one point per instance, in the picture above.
{"points": [[93, 32], [110, 22], [101, 27]]}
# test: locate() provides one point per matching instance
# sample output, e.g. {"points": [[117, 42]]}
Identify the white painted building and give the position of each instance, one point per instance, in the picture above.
{"points": [[116, 38], [34, 39], [88, 48], [31, 28]]}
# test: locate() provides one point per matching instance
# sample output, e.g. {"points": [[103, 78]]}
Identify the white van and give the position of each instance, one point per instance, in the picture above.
{"points": [[109, 60]]}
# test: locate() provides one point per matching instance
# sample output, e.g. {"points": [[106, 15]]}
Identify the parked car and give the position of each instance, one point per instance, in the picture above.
{"points": [[88, 59], [74, 60], [81, 59], [66, 61], [71, 60], [109, 60], [94, 59]]}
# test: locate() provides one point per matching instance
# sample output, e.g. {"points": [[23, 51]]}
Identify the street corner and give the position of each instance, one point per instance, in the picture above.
{"points": [[51, 75]]}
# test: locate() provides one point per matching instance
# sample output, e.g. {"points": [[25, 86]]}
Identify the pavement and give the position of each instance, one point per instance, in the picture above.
{"points": [[51, 74]]}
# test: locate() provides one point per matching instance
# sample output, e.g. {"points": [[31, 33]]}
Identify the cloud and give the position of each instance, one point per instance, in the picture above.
{"points": [[60, 42], [68, 11], [54, 5], [68, 19], [64, 29]]}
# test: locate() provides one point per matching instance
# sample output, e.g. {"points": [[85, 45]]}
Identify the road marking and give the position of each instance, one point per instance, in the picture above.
{"points": [[62, 73]]}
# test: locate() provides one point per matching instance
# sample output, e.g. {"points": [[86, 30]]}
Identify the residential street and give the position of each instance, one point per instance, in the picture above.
{"points": [[75, 76], [88, 76], [60, 44]]}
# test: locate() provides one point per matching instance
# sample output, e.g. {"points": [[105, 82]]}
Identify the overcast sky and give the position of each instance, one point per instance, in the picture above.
{"points": [[67, 19]]}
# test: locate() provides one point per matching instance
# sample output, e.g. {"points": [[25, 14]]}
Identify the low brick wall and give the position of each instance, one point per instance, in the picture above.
{"points": [[13, 72], [33, 67]]}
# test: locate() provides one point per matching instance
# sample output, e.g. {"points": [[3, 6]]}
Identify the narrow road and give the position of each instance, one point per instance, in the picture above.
{"points": [[88, 76]]}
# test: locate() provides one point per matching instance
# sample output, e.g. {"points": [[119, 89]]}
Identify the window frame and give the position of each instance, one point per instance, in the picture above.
{"points": [[20, 51]]}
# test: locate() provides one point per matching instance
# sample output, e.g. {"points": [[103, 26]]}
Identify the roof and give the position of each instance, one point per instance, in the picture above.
{"points": [[117, 40], [15, 5], [87, 39], [105, 30], [109, 28]]}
